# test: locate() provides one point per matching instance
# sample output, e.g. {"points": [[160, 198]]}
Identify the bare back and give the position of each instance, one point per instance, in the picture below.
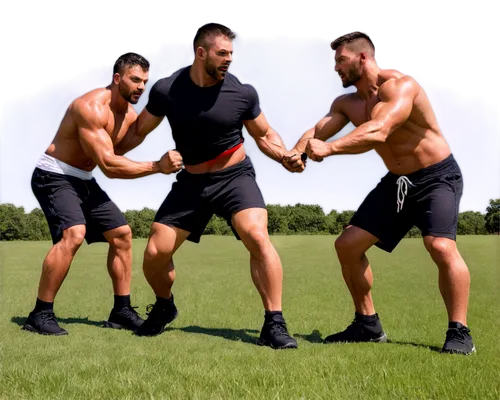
{"points": [[416, 143], [66, 145]]}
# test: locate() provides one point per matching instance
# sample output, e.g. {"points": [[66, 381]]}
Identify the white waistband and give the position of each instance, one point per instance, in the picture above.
{"points": [[51, 164]]}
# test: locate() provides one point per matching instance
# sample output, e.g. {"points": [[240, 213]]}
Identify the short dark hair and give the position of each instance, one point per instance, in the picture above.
{"points": [[130, 60], [353, 37], [211, 29]]}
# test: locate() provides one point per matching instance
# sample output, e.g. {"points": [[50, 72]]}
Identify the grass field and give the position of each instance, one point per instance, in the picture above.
{"points": [[209, 351]]}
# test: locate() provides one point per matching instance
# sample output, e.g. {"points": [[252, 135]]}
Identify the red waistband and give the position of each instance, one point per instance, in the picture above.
{"points": [[225, 153]]}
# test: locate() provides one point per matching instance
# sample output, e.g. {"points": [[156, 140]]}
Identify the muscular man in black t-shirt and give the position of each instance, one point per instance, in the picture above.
{"points": [[207, 108]]}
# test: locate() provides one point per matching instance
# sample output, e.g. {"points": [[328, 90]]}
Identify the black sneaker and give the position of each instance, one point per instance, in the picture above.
{"points": [[275, 335], [44, 322], [458, 340], [158, 317], [126, 318], [360, 331]]}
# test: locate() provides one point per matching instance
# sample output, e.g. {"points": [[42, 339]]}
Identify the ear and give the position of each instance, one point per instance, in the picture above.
{"points": [[116, 78], [363, 56], [201, 53]]}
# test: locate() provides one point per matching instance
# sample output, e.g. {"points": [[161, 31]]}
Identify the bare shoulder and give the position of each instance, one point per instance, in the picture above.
{"points": [[394, 83], [91, 108], [342, 102]]}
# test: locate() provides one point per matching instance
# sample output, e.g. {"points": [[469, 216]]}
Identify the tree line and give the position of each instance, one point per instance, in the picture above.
{"points": [[16, 224]]}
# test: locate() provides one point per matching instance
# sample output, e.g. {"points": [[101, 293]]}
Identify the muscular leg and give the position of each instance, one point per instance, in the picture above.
{"points": [[158, 265], [265, 264], [454, 277], [267, 275], [120, 258], [55, 268], [351, 247], [159, 271], [454, 283], [123, 315], [57, 262]]}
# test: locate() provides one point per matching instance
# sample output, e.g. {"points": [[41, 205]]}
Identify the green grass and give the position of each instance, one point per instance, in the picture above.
{"points": [[209, 352]]}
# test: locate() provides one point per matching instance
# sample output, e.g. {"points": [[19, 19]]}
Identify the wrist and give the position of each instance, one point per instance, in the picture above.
{"points": [[155, 167], [332, 149]]}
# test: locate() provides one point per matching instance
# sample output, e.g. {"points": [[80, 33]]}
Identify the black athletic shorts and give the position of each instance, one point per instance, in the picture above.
{"points": [[428, 198], [68, 201], [194, 198]]}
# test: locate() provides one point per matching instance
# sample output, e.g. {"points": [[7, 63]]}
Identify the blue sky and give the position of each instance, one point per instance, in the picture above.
{"points": [[296, 84]]}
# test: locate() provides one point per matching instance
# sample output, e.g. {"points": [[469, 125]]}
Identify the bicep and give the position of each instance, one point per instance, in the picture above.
{"points": [[330, 125], [94, 139], [96, 143]]}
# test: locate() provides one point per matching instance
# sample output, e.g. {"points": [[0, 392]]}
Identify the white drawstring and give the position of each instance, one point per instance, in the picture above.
{"points": [[402, 183]]}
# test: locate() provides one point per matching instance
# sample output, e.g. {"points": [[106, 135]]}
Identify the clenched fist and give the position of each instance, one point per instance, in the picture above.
{"points": [[293, 161], [317, 150], [170, 162]]}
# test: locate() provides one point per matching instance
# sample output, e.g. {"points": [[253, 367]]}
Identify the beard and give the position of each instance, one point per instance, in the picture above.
{"points": [[352, 76], [127, 95], [211, 70]]}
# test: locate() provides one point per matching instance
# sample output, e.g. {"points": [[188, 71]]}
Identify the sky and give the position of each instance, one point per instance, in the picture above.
{"points": [[55, 51]]}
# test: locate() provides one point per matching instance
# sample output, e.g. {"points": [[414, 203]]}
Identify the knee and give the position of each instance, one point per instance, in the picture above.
{"points": [[73, 237], [442, 250], [258, 239], [154, 251], [122, 238], [346, 248]]}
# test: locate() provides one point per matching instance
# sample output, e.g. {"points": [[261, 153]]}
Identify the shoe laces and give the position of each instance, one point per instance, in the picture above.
{"points": [[279, 328], [458, 334], [47, 318], [130, 312]]}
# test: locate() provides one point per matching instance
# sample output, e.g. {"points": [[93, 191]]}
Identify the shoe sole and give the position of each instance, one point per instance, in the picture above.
{"points": [[29, 328], [381, 339], [262, 342], [459, 352]]}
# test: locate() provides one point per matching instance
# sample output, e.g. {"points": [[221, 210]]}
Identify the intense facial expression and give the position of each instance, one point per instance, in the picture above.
{"points": [[218, 57], [132, 83], [348, 66]]}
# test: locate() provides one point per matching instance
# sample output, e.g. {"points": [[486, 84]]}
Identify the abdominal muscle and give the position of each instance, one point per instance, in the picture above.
{"points": [[407, 151]]}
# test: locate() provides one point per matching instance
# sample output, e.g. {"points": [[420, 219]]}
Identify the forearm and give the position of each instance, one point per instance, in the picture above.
{"points": [[300, 147], [362, 139], [123, 168], [272, 145]]}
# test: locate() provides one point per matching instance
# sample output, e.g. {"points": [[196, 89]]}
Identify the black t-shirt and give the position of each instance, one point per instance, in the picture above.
{"points": [[205, 121]]}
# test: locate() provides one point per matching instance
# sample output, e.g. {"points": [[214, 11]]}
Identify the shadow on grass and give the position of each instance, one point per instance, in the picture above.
{"points": [[425, 346], [226, 333], [21, 320], [315, 337]]}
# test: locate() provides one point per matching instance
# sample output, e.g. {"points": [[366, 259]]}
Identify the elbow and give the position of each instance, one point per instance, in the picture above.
{"points": [[108, 170], [380, 132]]}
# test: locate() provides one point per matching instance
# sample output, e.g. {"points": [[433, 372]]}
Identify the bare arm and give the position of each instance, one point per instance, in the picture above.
{"points": [[267, 139], [97, 144], [142, 126], [389, 114], [327, 127]]}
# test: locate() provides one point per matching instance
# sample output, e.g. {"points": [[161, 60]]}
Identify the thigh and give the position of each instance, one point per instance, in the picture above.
{"points": [[60, 201], [102, 213], [438, 206], [185, 208], [238, 194], [379, 215]]}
